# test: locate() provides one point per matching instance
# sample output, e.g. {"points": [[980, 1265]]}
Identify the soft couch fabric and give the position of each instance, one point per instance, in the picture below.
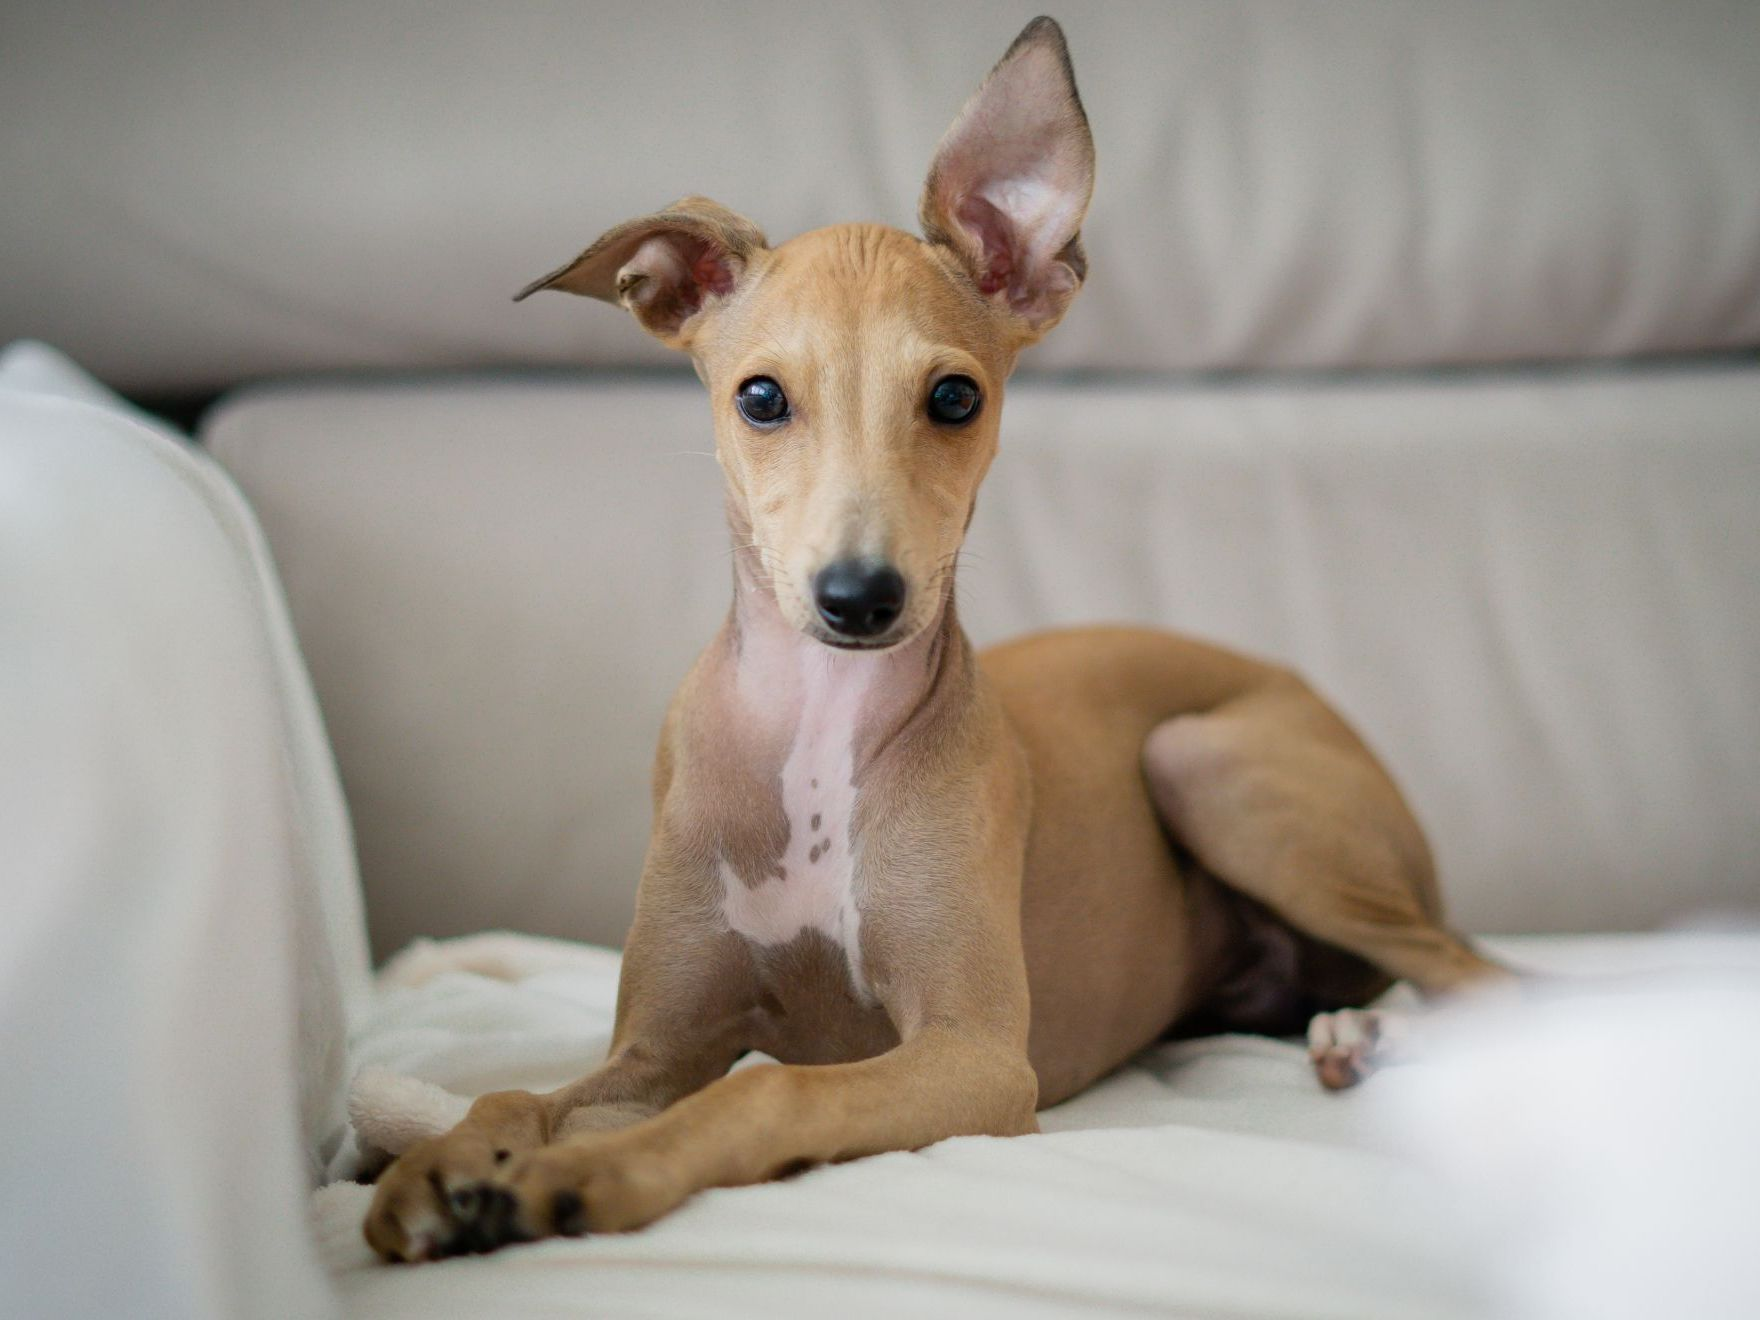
{"points": [[182, 944], [1532, 590], [1210, 1177], [205, 193]]}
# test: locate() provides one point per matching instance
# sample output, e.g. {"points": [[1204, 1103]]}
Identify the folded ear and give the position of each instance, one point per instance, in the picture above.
{"points": [[1012, 178], [665, 268]]}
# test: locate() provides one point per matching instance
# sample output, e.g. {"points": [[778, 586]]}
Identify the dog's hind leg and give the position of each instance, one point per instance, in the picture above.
{"points": [[1276, 797]]}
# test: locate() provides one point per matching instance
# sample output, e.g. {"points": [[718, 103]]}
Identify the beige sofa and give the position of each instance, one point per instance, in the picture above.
{"points": [[1419, 352]]}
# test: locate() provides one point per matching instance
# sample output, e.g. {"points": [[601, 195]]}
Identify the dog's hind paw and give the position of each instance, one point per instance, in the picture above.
{"points": [[1348, 1045]]}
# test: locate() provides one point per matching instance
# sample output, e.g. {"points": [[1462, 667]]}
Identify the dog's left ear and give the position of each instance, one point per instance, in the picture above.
{"points": [[666, 268], [1012, 178]]}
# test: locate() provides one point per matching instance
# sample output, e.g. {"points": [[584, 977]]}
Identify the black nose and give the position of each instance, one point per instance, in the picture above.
{"points": [[859, 597]]}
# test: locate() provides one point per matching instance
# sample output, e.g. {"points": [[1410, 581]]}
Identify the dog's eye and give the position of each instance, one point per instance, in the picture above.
{"points": [[954, 400], [761, 401]]}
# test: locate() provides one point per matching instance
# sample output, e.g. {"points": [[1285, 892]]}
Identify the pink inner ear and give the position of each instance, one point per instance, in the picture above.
{"points": [[710, 269], [674, 272], [1012, 178], [996, 241]]}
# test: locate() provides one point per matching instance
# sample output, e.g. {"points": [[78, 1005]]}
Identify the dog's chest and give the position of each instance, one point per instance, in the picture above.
{"points": [[814, 884]]}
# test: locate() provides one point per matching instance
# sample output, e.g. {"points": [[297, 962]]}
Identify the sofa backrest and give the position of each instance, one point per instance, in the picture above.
{"points": [[200, 193], [1533, 592]]}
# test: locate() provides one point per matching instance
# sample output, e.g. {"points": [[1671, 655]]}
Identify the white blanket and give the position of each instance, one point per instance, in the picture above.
{"points": [[1210, 1177]]}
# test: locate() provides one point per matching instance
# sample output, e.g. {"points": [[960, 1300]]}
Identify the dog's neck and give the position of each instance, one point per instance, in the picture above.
{"points": [[799, 689]]}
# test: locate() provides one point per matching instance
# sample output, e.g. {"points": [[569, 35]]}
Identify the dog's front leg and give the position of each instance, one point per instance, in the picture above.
{"points": [[681, 1022], [952, 978], [761, 1122]]}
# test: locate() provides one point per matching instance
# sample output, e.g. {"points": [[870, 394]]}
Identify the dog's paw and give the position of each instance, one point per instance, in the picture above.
{"points": [[590, 1184], [440, 1198], [1346, 1046]]}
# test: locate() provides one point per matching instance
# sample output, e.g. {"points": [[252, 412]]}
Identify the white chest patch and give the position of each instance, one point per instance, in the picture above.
{"points": [[816, 885]]}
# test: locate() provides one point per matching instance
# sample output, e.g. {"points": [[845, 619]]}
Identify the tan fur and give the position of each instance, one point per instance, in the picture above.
{"points": [[1026, 922]]}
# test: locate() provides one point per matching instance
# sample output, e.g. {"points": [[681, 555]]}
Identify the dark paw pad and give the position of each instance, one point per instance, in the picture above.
{"points": [[568, 1213], [493, 1223], [466, 1202]]}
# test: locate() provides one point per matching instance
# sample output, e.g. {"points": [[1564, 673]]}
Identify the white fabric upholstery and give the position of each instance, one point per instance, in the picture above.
{"points": [[1537, 1174], [203, 192], [182, 938], [1534, 593]]}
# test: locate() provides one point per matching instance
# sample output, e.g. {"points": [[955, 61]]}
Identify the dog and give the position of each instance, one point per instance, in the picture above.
{"points": [[942, 889]]}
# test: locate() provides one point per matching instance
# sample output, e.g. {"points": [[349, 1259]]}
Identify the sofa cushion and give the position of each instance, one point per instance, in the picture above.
{"points": [[1534, 593], [182, 939], [57, 420], [222, 190]]}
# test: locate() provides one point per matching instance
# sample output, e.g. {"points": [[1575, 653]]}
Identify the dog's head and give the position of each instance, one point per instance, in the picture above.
{"points": [[857, 371]]}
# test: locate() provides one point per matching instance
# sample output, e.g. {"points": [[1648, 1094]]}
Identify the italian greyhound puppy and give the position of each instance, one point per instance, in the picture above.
{"points": [[942, 889]]}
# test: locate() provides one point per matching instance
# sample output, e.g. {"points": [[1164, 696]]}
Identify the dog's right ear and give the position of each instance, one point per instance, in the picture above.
{"points": [[666, 268]]}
